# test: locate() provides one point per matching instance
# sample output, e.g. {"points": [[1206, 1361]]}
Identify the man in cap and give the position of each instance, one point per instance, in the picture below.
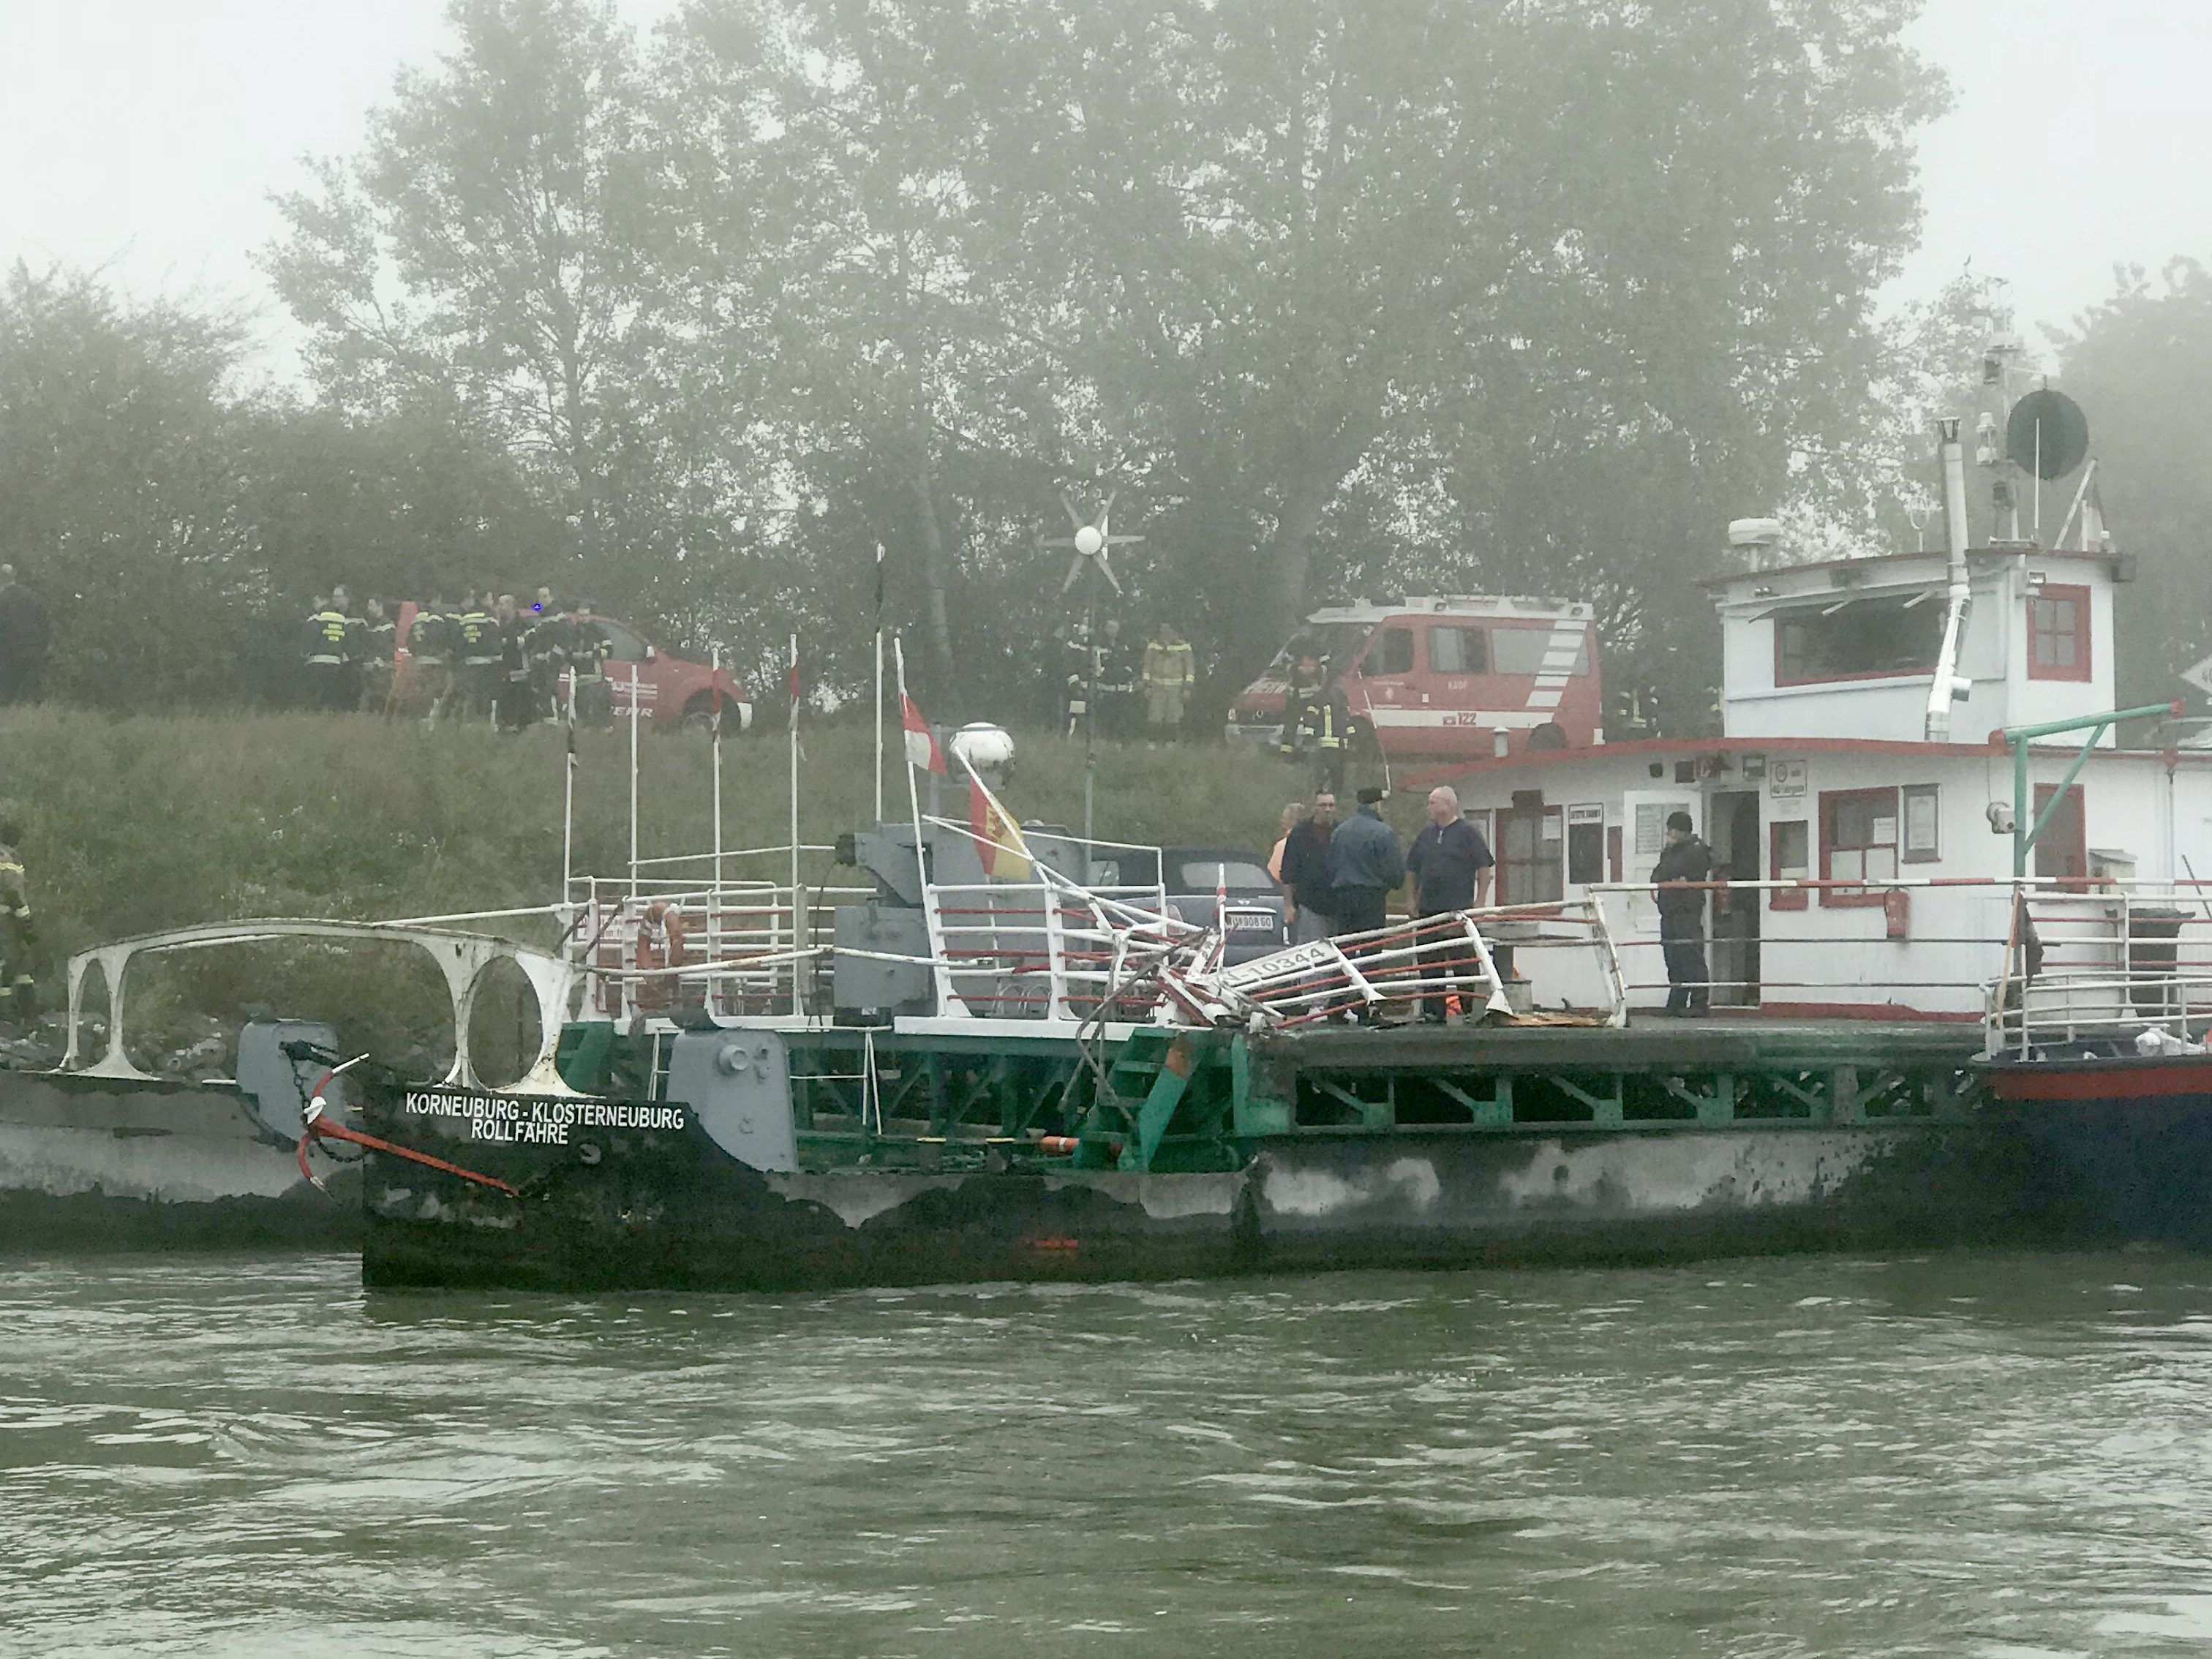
{"points": [[1366, 864], [1685, 860]]}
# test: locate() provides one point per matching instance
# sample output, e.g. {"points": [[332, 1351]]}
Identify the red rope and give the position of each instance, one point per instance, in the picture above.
{"points": [[320, 1125]]}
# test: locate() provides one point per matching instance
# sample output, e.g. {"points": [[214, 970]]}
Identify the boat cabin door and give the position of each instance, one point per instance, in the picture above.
{"points": [[1734, 837]]}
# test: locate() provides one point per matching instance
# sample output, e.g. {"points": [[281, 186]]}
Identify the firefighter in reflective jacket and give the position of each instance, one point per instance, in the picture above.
{"points": [[660, 945], [18, 944], [430, 647], [1305, 686], [477, 641], [1316, 724], [1171, 672], [325, 653]]}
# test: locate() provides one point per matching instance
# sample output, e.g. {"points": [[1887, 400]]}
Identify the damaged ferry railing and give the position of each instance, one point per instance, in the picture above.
{"points": [[2119, 966]]}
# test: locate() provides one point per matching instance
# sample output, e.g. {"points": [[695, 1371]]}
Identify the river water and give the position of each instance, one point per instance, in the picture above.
{"points": [[1960, 1454]]}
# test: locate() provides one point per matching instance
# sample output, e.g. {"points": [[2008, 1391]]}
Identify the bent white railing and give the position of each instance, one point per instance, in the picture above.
{"points": [[461, 959]]}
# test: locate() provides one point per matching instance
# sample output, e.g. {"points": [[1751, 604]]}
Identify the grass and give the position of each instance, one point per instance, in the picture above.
{"points": [[143, 822]]}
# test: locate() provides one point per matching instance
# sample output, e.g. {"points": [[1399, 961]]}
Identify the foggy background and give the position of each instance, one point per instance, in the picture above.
{"points": [[736, 484]]}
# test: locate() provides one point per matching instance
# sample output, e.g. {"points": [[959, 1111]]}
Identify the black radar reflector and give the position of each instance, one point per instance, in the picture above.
{"points": [[2048, 434]]}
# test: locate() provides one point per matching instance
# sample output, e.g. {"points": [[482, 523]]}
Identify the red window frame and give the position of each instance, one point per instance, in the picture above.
{"points": [[1878, 800], [1524, 877], [2069, 826], [1784, 898], [2055, 594]]}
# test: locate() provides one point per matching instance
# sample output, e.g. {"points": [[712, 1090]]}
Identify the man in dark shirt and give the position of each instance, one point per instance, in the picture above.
{"points": [[1682, 915], [1451, 865], [1305, 872]]}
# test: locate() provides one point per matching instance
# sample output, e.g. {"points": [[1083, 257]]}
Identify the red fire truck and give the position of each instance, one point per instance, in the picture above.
{"points": [[1458, 677], [669, 690]]}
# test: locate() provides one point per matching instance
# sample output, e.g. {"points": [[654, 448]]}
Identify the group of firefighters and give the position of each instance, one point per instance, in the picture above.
{"points": [[1165, 674], [485, 657]]}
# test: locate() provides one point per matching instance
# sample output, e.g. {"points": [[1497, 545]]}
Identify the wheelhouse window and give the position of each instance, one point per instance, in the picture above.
{"points": [[2058, 634], [1852, 639], [1858, 842]]}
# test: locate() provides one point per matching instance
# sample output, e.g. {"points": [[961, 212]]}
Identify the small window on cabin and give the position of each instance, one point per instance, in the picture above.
{"points": [[1528, 650], [1858, 842], [1391, 652], [1922, 840], [1457, 650], [2058, 634], [1858, 639], [1585, 844], [1789, 845]]}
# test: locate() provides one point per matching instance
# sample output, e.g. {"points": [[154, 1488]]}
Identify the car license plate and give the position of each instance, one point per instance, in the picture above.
{"points": [[1251, 922]]}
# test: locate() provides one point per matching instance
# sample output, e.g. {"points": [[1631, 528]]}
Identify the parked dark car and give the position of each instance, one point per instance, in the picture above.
{"points": [[1192, 877]]}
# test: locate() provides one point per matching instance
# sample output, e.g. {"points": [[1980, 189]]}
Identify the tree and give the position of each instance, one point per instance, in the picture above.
{"points": [[118, 457], [491, 243], [2141, 364]]}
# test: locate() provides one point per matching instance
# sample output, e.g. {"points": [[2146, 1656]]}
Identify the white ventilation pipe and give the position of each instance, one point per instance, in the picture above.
{"points": [[1949, 684]]}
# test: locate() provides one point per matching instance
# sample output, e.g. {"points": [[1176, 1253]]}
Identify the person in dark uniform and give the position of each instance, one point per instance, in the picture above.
{"points": [[513, 693], [1682, 915], [1317, 723], [547, 643], [588, 646], [1366, 864], [477, 641], [379, 637], [1451, 863], [1077, 664], [1306, 871], [1117, 684], [430, 647]]}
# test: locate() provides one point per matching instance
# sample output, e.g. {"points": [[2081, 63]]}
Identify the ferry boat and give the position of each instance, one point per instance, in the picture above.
{"points": [[949, 1048]]}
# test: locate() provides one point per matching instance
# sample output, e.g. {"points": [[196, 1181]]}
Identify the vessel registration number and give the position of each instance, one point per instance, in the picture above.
{"points": [[527, 1121]]}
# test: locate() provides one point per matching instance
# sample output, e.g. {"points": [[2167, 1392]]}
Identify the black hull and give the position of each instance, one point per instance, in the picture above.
{"points": [[92, 1166], [669, 1210], [2132, 1136]]}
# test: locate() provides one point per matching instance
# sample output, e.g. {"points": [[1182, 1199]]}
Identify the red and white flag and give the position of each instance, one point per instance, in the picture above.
{"points": [[922, 748]]}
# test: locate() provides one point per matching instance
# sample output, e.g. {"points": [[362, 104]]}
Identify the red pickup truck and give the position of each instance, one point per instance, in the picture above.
{"points": [[670, 690]]}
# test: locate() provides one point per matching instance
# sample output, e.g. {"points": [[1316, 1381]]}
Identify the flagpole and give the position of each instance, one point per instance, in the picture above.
{"points": [[880, 683], [797, 1001], [913, 795], [714, 910], [568, 811], [633, 780], [715, 729]]}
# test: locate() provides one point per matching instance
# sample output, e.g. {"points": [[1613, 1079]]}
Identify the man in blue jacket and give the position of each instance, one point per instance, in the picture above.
{"points": [[1366, 864]]}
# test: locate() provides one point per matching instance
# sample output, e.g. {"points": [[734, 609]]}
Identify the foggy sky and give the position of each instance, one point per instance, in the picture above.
{"points": [[145, 135]]}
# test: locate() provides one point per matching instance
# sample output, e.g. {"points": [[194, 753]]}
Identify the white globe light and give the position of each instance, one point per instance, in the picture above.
{"points": [[986, 747], [1088, 541]]}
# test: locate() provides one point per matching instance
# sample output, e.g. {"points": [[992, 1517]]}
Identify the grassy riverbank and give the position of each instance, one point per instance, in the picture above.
{"points": [[147, 823]]}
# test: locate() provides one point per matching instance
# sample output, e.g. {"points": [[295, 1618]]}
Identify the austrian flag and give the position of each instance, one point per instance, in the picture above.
{"points": [[922, 748]]}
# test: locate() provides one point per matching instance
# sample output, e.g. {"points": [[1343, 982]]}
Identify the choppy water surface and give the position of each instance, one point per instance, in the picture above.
{"points": [[1956, 1454]]}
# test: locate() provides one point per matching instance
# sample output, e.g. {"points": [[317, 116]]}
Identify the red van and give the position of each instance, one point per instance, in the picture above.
{"points": [[1458, 678], [671, 691]]}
